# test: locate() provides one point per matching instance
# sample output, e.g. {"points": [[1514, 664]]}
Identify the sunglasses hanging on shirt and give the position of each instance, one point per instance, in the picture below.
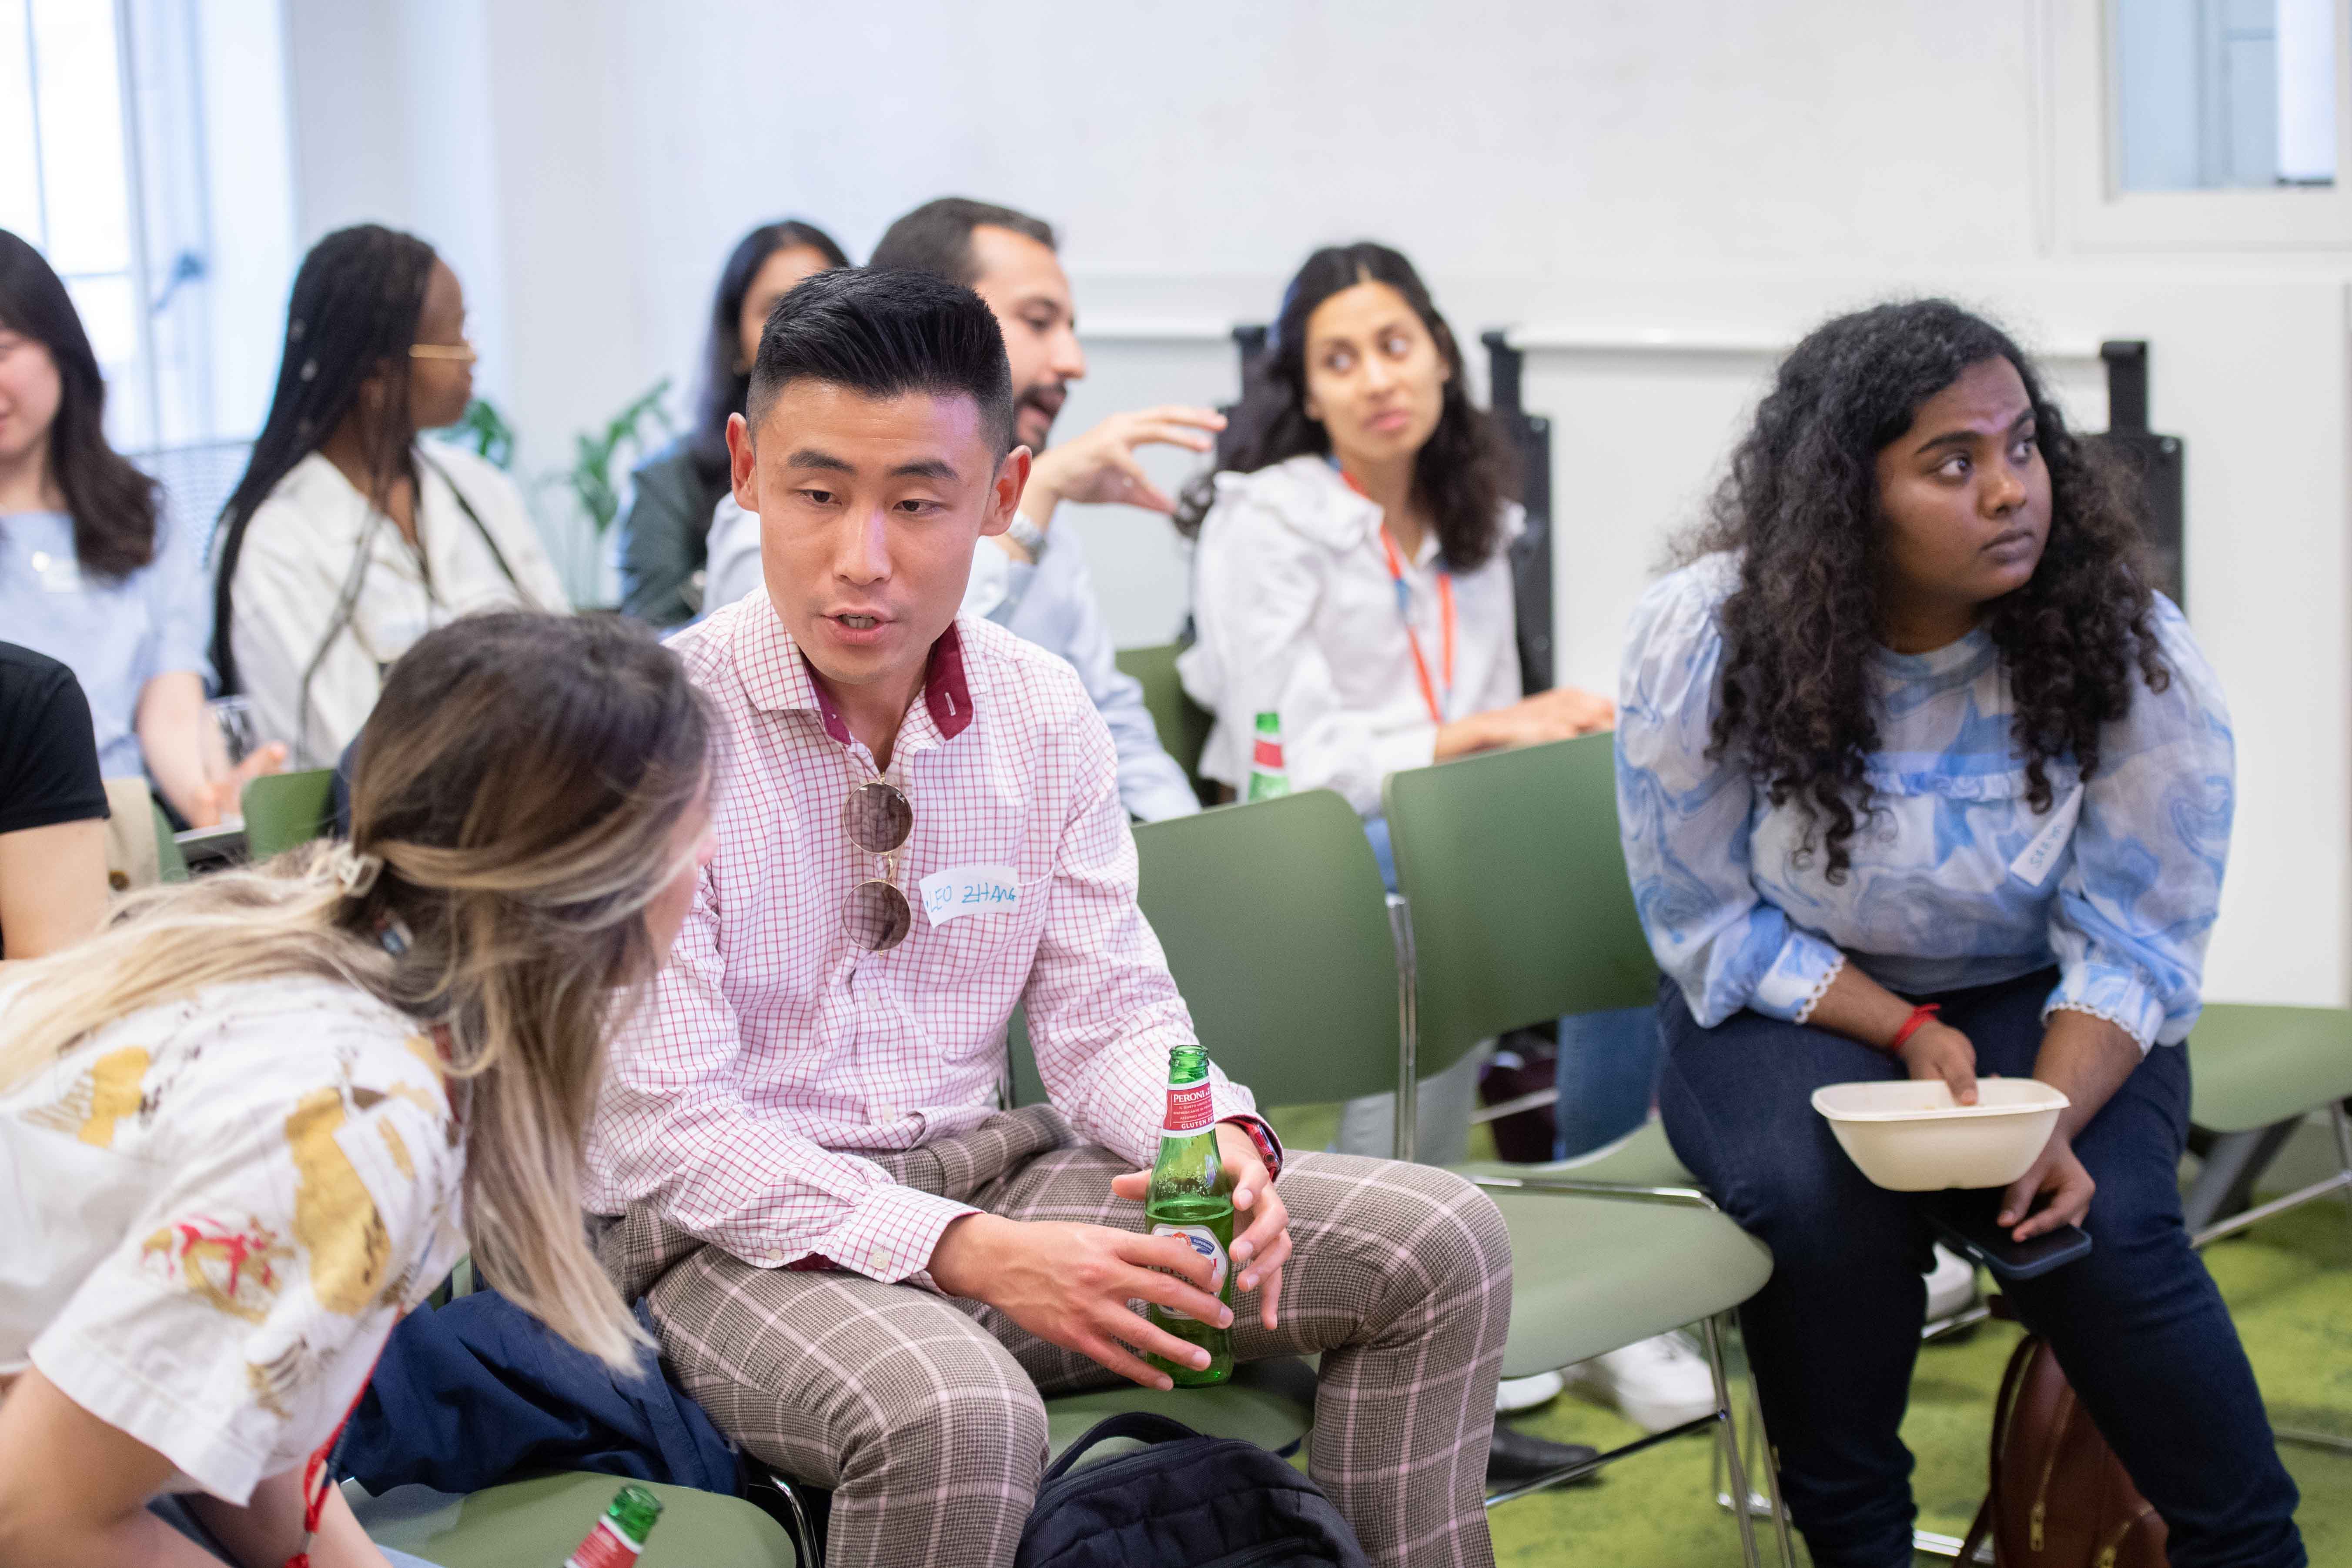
{"points": [[877, 915]]}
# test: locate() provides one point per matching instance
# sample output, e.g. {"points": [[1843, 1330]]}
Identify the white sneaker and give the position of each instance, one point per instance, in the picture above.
{"points": [[1656, 1384], [1951, 1284], [1516, 1393]]}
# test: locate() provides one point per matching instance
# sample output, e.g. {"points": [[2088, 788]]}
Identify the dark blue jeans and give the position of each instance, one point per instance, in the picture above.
{"points": [[2138, 1326], [1608, 1077]]}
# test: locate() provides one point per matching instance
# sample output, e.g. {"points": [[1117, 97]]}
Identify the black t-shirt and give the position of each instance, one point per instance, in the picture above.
{"points": [[48, 751]]}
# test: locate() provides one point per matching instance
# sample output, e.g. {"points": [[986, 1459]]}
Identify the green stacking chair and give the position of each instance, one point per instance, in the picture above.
{"points": [[1519, 911], [1279, 932], [1184, 724], [1522, 913], [282, 810], [538, 1521], [2258, 1072], [170, 862]]}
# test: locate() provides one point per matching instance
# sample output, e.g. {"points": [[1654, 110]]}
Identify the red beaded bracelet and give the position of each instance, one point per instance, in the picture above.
{"points": [[1919, 1016]]}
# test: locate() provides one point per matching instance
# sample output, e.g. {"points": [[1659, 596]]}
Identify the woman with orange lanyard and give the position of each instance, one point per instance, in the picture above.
{"points": [[1352, 574], [1351, 577], [247, 1129]]}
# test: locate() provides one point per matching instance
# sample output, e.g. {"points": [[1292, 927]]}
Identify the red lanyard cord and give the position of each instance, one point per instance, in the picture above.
{"points": [[1412, 639], [1404, 614]]}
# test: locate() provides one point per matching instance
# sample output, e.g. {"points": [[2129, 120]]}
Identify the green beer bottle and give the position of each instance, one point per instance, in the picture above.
{"points": [[1188, 1198], [1268, 776], [621, 1534]]}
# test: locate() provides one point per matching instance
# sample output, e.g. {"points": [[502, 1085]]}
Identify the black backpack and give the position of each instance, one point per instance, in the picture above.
{"points": [[1186, 1501]]}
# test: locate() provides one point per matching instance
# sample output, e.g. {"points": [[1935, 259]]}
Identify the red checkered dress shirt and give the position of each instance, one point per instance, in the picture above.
{"points": [[773, 1052]]}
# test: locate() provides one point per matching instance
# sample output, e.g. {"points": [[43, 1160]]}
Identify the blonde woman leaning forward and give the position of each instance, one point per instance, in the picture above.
{"points": [[238, 1131]]}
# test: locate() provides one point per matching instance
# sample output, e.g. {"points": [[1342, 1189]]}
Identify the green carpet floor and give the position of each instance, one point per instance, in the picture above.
{"points": [[2288, 1283]]}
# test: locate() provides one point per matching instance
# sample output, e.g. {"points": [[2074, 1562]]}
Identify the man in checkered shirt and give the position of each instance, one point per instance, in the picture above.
{"points": [[864, 1269]]}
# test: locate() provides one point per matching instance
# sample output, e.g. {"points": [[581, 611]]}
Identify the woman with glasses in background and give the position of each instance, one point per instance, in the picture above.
{"points": [[92, 572], [348, 539], [666, 533]]}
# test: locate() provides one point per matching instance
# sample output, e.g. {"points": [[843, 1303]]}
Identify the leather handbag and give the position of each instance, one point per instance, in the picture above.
{"points": [[2058, 1497]]}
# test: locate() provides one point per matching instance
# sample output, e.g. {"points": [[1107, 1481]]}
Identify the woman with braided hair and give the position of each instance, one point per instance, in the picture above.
{"points": [[245, 1129], [348, 539], [1918, 777]]}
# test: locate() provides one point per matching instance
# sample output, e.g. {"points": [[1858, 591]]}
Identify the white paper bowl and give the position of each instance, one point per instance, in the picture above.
{"points": [[1908, 1135]]}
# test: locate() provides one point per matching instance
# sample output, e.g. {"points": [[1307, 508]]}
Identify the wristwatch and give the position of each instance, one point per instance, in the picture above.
{"points": [[1028, 536]]}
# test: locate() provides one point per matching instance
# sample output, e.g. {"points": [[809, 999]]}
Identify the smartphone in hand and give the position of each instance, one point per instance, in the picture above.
{"points": [[1967, 1220]]}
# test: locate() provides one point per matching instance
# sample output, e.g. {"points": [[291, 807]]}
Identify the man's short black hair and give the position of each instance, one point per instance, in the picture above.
{"points": [[886, 334], [936, 238]]}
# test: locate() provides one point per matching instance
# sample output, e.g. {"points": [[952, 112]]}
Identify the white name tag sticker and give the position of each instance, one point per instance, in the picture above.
{"points": [[970, 890], [2033, 864], [59, 573]]}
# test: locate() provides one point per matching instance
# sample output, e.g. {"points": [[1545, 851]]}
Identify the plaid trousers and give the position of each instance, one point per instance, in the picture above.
{"points": [[922, 1412]]}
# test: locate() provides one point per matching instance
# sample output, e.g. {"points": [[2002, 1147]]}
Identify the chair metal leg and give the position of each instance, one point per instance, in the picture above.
{"points": [[806, 1549], [2338, 1119], [2226, 1175], [1727, 1430], [1408, 1087], [1758, 1441], [1770, 1458]]}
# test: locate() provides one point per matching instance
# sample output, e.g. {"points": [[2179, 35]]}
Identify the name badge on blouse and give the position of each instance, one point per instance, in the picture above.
{"points": [[962, 890], [2033, 864], [59, 574]]}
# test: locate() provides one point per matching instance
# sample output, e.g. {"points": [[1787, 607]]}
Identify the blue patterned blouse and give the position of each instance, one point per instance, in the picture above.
{"points": [[1956, 880]]}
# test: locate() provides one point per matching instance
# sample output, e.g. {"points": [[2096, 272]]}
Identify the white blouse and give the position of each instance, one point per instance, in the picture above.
{"points": [[215, 1210], [303, 552], [1295, 613]]}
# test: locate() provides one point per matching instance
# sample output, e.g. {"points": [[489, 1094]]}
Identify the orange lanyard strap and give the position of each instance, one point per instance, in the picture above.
{"points": [[1445, 621]]}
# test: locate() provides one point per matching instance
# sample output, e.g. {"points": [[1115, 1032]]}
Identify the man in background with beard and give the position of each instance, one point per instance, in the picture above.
{"points": [[1032, 579]]}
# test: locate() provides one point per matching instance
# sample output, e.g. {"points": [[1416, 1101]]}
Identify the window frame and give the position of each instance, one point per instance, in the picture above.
{"points": [[2094, 213]]}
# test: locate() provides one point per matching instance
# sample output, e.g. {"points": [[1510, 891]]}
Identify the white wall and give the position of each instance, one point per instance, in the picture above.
{"points": [[1719, 171]]}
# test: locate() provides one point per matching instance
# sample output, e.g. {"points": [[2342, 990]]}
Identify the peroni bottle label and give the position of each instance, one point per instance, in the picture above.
{"points": [[1188, 1109]]}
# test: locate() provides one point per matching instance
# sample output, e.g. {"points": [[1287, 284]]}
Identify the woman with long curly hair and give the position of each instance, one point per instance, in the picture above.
{"points": [[1918, 776]]}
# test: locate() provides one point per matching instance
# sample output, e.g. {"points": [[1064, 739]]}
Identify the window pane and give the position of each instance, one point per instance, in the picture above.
{"points": [[20, 191], [80, 101], [2221, 94], [109, 309]]}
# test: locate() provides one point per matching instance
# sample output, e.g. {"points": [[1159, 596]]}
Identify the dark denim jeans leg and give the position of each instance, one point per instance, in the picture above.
{"points": [[2138, 1326], [1833, 1334], [2147, 1343], [1607, 1077]]}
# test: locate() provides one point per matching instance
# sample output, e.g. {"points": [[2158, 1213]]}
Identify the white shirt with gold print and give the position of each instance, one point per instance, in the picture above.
{"points": [[215, 1210]]}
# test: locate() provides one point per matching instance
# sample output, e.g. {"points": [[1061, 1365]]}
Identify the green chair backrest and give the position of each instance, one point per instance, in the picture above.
{"points": [[1028, 1088], [1184, 724], [1276, 929], [1520, 905], [282, 810], [169, 860]]}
